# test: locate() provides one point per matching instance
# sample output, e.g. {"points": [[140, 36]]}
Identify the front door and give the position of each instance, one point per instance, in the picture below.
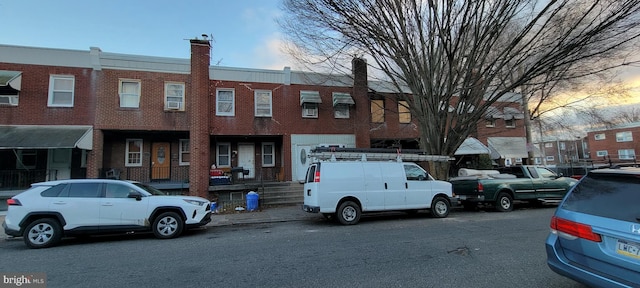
{"points": [[59, 164], [246, 159], [160, 160]]}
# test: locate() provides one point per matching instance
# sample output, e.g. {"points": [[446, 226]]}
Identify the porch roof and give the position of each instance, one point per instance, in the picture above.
{"points": [[507, 147], [45, 137], [472, 146]]}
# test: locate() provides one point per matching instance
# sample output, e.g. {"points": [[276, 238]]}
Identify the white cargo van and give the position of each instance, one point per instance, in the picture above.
{"points": [[346, 189]]}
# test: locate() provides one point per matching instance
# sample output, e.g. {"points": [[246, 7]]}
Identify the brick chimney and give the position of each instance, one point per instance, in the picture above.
{"points": [[198, 108], [361, 97]]}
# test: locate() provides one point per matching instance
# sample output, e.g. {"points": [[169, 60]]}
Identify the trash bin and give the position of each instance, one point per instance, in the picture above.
{"points": [[214, 207], [252, 201]]}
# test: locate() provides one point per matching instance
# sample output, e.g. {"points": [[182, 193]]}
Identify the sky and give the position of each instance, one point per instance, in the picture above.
{"points": [[244, 32]]}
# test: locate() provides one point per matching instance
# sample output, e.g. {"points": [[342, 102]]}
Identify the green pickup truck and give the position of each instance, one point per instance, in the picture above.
{"points": [[533, 184]]}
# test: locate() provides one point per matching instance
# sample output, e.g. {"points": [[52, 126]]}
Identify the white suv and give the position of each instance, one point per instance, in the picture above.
{"points": [[47, 211]]}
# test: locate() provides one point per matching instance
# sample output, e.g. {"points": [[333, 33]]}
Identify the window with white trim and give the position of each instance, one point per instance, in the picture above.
{"points": [[626, 154], [129, 92], [624, 136], [599, 136], [548, 145], [341, 111], [263, 103], [602, 153], [490, 122], [268, 154], [133, 153], [225, 102], [537, 160], [223, 155], [174, 96], [185, 156], [550, 158], [510, 123], [562, 145], [61, 89], [309, 110]]}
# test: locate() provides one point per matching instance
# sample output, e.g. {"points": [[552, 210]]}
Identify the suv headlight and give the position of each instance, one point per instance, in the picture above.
{"points": [[194, 202]]}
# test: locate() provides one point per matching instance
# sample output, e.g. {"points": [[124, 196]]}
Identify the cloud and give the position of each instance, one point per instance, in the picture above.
{"points": [[270, 54]]}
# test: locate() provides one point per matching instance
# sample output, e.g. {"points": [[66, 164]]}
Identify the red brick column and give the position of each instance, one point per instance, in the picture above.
{"points": [[94, 157], [198, 108]]}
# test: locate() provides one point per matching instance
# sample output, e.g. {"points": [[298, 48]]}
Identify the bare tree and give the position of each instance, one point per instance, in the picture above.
{"points": [[458, 57]]}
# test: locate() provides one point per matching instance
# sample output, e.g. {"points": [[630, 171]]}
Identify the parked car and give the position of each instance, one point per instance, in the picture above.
{"points": [[48, 211], [523, 183], [595, 231], [346, 189]]}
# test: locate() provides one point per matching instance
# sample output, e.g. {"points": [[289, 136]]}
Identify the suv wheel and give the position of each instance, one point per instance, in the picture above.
{"points": [[42, 233], [167, 225]]}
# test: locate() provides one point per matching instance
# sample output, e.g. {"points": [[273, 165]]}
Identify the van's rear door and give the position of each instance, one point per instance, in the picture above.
{"points": [[311, 187]]}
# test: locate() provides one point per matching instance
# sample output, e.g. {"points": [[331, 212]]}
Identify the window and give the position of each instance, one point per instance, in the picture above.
{"points": [[263, 103], [546, 173], [490, 122], [562, 146], [404, 114], [185, 157], [310, 110], [268, 155], [599, 136], [61, 91], [225, 102], [548, 145], [174, 96], [624, 136], [627, 154], [550, 158], [224, 155], [134, 153], [377, 111], [537, 160], [9, 100], [129, 93], [518, 160], [341, 111], [510, 123], [602, 153], [84, 190], [26, 159], [117, 191]]}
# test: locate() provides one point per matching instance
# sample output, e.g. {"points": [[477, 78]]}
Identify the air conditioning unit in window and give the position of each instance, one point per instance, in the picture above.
{"points": [[173, 105]]}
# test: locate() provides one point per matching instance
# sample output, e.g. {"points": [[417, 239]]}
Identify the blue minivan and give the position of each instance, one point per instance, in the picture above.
{"points": [[595, 231]]}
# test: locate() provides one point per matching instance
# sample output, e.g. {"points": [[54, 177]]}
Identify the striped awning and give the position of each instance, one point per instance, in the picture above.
{"points": [[342, 98], [310, 97]]}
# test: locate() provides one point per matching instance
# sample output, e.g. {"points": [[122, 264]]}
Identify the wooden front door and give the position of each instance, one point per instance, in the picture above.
{"points": [[160, 160]]}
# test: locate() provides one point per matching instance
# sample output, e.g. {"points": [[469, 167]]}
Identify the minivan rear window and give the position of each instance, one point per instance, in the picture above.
{"points": [[607, 195]]}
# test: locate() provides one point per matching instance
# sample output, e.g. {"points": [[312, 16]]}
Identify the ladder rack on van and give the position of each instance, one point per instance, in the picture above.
{"points": [[368, 154]]}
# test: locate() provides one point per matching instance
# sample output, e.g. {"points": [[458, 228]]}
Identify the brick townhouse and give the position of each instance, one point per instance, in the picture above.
{"points": [[74, 114], [615, 144]]}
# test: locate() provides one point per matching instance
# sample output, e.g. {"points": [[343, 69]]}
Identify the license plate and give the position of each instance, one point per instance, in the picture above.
{"points": [[630, 249]]}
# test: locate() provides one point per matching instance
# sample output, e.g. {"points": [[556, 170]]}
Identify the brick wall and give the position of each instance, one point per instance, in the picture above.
{"points": [[611, 145]]}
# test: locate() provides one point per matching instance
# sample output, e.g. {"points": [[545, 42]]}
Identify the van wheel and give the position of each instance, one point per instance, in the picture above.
{"points": [[504, 202], [42, 233], [440, 207], [348, 213]]}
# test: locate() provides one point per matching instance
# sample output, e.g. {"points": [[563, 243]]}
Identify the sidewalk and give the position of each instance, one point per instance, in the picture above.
{"points": [[266, 215]]}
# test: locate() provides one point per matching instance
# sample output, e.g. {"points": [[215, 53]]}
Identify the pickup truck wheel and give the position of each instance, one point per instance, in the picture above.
{"points": [[42, 233], [439, 207], [348, 213], [167, 225], [504, 202]]}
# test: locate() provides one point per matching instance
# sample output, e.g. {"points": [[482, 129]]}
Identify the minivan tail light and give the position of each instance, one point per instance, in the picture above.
{"points": [[583, 231], [316, 177], [13, 202]]}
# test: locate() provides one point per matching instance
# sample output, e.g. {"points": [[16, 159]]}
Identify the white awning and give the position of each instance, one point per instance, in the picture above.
{"points": [[493, 113], [512, 113], [507, 147], [10, 79], [472, 146], [342, 98], [310, 97]]}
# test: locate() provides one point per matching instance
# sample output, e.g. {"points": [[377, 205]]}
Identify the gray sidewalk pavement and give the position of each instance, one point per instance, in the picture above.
{"points": [[263, 215]]}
